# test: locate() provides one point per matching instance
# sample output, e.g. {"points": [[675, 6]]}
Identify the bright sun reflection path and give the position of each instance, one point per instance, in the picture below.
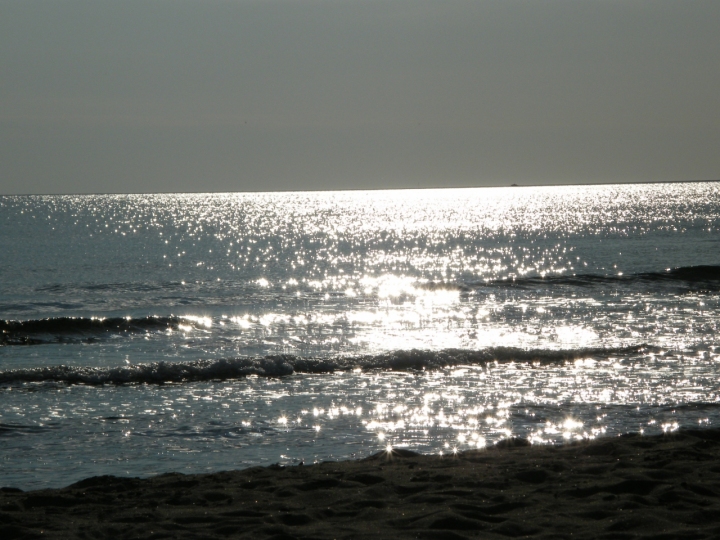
{"points": [[205, 322]]}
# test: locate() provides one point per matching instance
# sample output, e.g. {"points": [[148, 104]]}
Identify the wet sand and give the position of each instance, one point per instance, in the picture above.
{"points": [[662, 487]]}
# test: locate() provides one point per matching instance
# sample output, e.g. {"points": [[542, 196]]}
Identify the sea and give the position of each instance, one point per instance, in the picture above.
{"points": [[192, 333]]}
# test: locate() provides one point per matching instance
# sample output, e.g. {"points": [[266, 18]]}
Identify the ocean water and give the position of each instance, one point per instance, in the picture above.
{"points": [[142, 334]]}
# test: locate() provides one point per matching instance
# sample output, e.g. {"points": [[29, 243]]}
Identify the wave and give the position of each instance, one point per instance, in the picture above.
{"points": [[693, 273], [126, 287], [58, 329], [704, 277], [283, 365], [13, 429]]}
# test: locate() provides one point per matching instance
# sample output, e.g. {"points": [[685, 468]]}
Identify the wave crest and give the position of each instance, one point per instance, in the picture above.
{"points": [[282, 365], [703, 276], [58, 329]]}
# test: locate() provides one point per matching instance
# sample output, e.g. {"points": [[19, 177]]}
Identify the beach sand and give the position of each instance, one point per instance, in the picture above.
{"points": [[660, 487]]}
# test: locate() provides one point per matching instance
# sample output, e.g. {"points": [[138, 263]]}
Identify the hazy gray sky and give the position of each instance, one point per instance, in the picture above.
{"points": [[238, 95]]}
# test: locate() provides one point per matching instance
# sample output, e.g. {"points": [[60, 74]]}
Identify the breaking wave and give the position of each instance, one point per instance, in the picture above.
{"points": [[283, 365], [58, 329], [705, 277]]}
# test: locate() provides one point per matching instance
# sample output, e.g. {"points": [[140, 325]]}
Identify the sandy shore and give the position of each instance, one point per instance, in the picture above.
{"points": [[665, 487]]}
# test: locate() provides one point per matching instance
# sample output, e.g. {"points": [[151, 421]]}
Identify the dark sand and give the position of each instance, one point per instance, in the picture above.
{"points": [[665, 487]]}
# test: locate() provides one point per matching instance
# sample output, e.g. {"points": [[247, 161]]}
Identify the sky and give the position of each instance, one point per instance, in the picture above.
{"points": [[141, 96]]}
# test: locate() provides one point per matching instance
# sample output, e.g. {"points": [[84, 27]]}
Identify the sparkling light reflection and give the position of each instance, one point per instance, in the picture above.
{"points": [[335, 275]]}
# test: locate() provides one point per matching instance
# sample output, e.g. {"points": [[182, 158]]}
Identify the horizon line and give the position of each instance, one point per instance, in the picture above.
{"points": [[611, 183]]}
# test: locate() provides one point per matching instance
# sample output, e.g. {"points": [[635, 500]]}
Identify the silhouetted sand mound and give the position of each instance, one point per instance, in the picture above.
{"points": [[665, 487]]}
